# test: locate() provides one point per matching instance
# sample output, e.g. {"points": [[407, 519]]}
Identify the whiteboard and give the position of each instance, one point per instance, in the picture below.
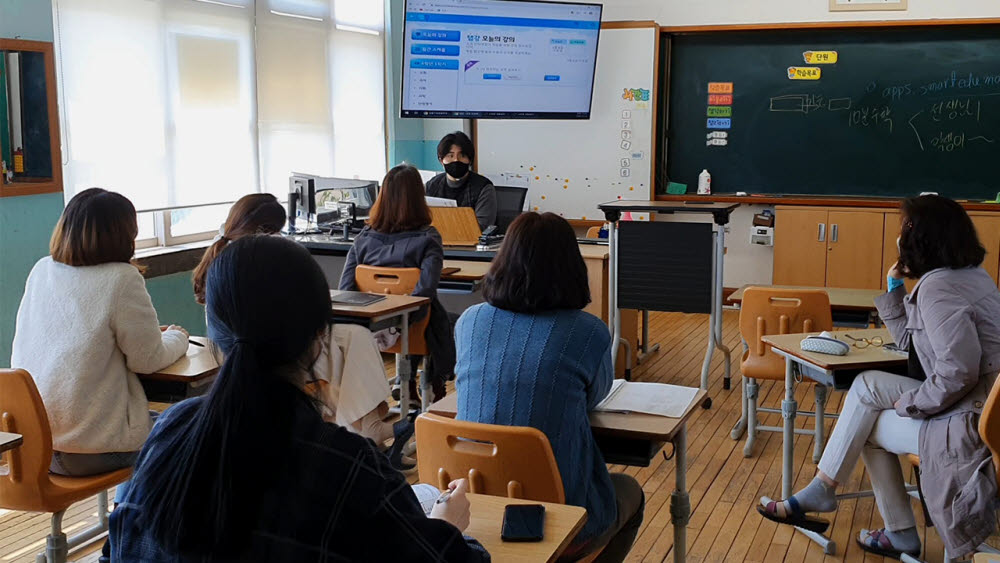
{"points": [[569, 167]]}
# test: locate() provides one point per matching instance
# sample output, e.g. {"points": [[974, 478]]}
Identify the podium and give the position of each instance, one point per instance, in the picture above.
{"points": [[458, 226]]}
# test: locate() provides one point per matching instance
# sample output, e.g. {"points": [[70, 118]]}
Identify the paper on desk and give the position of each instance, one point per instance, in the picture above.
{"points": [[440, 202], [427, 495], [650, 398]]}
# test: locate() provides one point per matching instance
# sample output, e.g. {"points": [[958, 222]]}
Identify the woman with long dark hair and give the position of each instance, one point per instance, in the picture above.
{"points": [[349, 376], [950, 323], [251, 471]]}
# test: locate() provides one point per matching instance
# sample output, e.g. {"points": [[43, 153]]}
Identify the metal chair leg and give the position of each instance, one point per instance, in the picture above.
{"points": [[752, 388], [741, 425], [56, 548]]}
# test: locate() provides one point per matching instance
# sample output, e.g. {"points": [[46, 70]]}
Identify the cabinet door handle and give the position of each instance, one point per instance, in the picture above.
{"points": [[833, 233], [822, 233]]}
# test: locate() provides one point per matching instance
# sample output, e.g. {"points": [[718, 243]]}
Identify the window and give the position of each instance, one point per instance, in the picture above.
{"points": [[183, 106]]}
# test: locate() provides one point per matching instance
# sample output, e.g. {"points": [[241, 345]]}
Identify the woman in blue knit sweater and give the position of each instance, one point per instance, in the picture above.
{"points": [[530, 356]]}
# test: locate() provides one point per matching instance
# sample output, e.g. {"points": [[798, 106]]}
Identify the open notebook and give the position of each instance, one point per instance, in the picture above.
{"points": [[650, 398]]}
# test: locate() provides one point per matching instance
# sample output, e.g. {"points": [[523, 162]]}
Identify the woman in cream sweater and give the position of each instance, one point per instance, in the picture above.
{"points": [[85, 327]]}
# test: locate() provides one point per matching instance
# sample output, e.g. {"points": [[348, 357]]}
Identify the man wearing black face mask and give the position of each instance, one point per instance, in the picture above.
{"points": [[458, 182]]}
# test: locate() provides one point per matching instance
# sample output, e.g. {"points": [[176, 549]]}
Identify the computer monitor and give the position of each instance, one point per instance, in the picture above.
{"points": [[510, 204], [301, 202]]}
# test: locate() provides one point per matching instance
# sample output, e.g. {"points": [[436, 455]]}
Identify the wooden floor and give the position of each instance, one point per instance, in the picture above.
{"points": [[724, 486]]}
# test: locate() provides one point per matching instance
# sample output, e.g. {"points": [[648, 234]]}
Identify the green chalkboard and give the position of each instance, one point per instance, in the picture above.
{"points": [[903, 110]]}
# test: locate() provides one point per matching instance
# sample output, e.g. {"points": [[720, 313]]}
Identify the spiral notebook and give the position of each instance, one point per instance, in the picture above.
{"points": [[661, 399]]}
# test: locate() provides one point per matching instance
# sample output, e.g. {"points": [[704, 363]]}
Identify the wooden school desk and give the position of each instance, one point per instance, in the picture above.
{"points": [[828, 371], [562, 523], [193, 370], [850, 307], [9, 441], [457, 290], [393, 311], [633, 439]]}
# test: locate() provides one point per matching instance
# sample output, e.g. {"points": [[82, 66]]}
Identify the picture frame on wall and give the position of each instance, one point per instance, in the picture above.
{"points": [[866, 5]]}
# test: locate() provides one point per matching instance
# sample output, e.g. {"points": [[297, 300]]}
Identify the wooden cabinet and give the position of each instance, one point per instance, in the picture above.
{"points": [[833, 247], [854, 250], [800, 246], [988, 229]]}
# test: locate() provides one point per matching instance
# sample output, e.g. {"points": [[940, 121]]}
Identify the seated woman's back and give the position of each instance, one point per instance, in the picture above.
{"points": [[531, 356], [546, 371], [251, 471], [86, 325]]}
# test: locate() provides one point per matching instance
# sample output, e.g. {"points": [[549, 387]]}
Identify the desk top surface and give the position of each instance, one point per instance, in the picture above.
{"points": [[468, 270], [9, 441], [840, 298], [391, 304], [857, 358], [668, 206], [196, 365], [624, 425], [334, 245], [562, 523]]}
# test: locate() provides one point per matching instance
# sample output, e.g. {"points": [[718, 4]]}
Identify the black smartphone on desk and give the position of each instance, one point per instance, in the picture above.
{"points": [[523, 523]]}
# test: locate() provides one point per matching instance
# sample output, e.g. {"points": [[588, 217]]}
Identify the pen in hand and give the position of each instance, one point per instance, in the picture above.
{"points": [[196, 343], [444, 497]]}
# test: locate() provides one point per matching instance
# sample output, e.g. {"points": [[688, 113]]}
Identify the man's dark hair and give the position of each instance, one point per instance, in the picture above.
{"points": [[457, 138]]}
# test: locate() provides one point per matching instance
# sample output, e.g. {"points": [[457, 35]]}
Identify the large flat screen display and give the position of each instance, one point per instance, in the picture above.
{"points": [[499, 59]]}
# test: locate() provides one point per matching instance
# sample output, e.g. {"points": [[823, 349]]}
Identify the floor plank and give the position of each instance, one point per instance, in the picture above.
{"points": [[724, 485]]}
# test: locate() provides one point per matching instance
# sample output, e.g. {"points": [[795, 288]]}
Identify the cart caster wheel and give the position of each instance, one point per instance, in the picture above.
{"points": [[707, 403]]}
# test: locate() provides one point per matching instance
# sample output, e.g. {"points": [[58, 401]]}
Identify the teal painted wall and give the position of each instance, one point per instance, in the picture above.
{"points": [[25, 222], [406, 136], [26, 19], [173, 298]]}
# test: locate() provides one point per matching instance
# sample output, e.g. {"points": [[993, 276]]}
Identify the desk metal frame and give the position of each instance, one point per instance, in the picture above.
{"points": [[798, 367], [720, 215], [402, 360]]}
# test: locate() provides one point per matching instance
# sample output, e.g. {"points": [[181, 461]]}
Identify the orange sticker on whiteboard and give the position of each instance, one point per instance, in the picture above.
{"points": [[720, 99], [720, 87]]}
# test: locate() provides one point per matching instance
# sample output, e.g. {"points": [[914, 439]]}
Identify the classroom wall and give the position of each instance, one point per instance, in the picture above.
{"points": [[25, 222], [746, 264], [700, 12]]}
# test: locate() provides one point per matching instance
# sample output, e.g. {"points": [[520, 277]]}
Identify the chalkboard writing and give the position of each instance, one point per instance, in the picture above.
{"points": [[900, 111]]}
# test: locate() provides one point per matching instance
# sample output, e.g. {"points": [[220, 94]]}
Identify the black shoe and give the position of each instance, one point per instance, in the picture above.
{"points": [[402, 431]]}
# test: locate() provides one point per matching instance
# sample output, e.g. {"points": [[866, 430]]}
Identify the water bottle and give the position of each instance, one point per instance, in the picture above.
{"points": [[704, 183]]}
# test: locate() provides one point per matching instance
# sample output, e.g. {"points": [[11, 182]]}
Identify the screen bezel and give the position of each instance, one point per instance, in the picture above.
{"points": [[504, 114]]}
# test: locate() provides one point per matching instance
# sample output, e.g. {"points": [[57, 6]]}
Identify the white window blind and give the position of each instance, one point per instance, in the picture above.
{"points": [[187, 102]]}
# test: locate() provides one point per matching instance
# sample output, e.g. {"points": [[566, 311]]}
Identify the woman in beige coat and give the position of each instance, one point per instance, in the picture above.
{"points": [[950, 323]]}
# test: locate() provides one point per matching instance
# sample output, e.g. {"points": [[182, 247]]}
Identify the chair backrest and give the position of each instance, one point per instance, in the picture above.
{"points": [[770, 310], [510, 204], [388, 281], [505, 461], [22, 412], [395, 281], [594, 232], [989, 425]]}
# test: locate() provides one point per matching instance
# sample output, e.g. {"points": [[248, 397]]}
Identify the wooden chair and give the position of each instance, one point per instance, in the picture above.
{"points": [[398, 281], [766, 311], [989, 431], [594, 232], [504, 461], [395, 281], [26, 484]]}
